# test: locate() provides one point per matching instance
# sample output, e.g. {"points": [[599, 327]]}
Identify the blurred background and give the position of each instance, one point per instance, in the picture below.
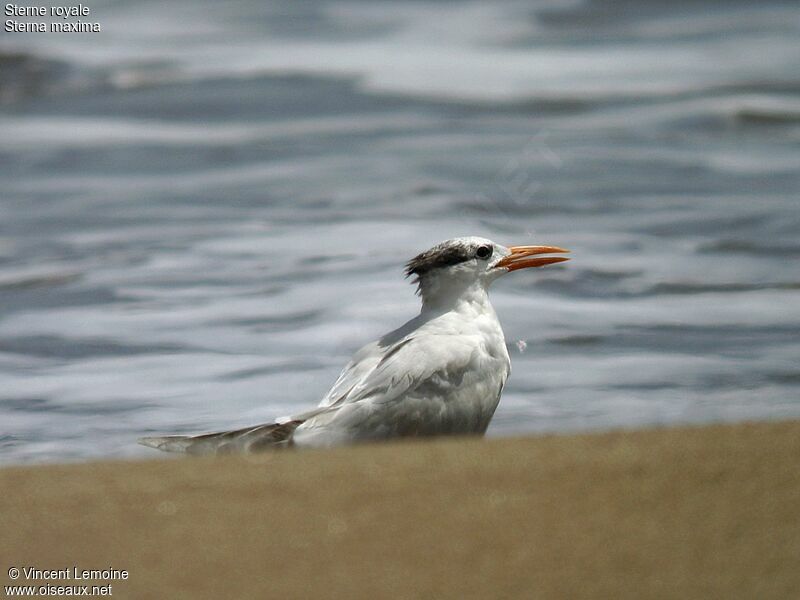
{"points": [[205, 208]]}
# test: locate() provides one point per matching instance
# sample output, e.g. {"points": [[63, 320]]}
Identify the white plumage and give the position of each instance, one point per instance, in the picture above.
{"points": [[440, 373]]}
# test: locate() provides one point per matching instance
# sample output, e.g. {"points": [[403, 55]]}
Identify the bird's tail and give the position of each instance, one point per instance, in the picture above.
{"points": [[249, 439]]}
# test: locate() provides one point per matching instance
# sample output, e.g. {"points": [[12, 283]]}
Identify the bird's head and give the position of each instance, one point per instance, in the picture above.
{"points": [[457, 266]]}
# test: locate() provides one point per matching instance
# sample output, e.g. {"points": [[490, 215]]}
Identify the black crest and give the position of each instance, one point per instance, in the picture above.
{"points": [[443, 255]]}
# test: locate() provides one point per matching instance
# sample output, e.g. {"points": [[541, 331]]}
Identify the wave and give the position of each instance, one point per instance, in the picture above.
{"points": [[465, 52], [736, 246], [87, 132], [27, 73]]}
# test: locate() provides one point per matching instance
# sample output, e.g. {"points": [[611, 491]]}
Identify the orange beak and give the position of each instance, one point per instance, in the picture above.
{"points": [[522, 257]]}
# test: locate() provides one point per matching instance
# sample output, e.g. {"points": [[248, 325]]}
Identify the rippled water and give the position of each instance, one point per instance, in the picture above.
{"points": [[205, 209]]}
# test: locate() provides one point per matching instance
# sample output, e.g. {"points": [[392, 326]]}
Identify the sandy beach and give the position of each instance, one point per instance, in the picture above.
{"points": [[703, 512]]}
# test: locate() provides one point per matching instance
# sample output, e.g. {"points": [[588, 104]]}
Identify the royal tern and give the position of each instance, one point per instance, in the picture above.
{"points": [[441, 373]]}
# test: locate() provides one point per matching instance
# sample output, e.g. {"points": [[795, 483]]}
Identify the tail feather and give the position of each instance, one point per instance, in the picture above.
{"points": [[249, 439]]}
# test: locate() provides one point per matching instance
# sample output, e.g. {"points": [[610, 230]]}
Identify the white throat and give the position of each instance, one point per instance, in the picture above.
{"points": [[442, 293]]}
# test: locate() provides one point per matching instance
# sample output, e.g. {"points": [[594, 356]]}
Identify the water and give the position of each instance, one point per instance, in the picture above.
{"points": [[205, 208]]}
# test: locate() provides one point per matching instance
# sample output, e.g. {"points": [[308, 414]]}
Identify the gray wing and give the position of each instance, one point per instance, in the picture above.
{"points": [[249, 439], [418, 369], [408, 390], [368, 359], [388, 371], [273, 435], [356, 371]]}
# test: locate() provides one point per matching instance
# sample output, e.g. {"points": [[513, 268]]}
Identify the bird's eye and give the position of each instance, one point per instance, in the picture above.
{"points": [[483, 252]]}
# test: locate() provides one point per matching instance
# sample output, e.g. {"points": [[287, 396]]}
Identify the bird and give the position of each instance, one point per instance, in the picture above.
{"points": [[441, 373]]}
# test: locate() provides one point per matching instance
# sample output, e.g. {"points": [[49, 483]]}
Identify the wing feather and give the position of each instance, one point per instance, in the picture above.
{"points": [[389, 399], [400, 367]]}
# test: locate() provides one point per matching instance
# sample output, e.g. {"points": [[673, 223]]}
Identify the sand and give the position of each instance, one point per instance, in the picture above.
{"points": [[706, 512]]}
